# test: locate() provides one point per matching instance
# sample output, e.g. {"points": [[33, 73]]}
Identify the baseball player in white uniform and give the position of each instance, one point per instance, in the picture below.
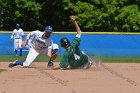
{"points": [[18, 37], [41, 43]]}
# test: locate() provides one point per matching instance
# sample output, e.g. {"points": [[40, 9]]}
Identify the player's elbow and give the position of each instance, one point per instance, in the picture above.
{"points": [[78, 35]]}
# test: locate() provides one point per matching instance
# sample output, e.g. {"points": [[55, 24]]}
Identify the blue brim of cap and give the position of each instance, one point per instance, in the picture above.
{"points": [[48, 31]]}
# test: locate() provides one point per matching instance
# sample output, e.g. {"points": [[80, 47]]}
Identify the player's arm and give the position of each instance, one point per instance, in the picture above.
{"points": [[12, 35], [27, 38], [57, 68], [64, 65], [73, 18], [76, 41], [51, 54]]}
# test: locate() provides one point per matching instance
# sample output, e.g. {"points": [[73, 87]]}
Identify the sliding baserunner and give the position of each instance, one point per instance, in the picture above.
{"points": [[73, 56]]}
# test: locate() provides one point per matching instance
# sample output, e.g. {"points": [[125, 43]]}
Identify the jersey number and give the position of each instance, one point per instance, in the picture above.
{"points": [[77, 57]]}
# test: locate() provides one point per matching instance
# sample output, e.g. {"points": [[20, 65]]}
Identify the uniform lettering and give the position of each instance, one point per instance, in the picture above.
{"points": [[77, 57], [40, 43]]}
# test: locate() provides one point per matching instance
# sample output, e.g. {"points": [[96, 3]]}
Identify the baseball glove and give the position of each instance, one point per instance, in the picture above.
{"points": [[54, 55]]}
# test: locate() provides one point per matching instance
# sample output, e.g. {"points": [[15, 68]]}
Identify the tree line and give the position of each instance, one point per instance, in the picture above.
{"points": [[92, 15]]}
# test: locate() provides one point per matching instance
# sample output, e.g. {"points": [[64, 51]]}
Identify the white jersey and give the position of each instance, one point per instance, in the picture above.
{"points": [[17, 33], [38, 42]]}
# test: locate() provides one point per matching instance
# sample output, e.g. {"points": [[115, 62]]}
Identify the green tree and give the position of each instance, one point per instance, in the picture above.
{"points": [[29, 13], [128, 18], [52, 13], [92, 15], [106, 15], [24, 12]]}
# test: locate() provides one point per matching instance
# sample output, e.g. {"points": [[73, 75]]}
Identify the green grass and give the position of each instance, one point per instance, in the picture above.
{"points": [[120, 59], [38, 59], [102, 58]]}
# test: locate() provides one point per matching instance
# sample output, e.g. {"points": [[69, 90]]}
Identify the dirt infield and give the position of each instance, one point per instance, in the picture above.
{"points": [[107, 78]]}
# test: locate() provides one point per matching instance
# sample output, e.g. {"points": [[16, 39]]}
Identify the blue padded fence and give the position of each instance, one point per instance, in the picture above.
{"points": [[92, 44]]}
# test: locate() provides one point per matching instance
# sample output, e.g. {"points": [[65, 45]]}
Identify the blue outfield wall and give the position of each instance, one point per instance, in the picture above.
{"points": [[92, 44]]}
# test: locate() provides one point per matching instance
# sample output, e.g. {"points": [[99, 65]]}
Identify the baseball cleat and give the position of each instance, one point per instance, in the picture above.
{"points": [[50, 64], [12, 64]]}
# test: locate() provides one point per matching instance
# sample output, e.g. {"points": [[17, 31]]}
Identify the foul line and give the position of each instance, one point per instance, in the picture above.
{"points": [[130, 81], [53, 77]]}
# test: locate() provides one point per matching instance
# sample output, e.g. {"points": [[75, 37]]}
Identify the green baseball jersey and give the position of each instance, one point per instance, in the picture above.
{"points": [[74, 56]]}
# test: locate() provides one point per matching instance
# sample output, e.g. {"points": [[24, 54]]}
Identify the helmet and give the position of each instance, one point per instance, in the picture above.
{"points": [[48, 29], [64, 42], [17, 26]]}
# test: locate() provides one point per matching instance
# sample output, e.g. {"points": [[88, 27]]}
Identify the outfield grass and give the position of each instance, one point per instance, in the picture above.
{"points": [[103, 59], [38, 59], [120, 59]]}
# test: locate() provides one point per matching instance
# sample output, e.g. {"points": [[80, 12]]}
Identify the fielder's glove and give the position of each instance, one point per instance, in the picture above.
{"points": [[54, 55]]}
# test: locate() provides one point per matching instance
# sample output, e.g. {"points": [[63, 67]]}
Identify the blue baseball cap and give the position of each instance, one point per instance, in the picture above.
{"points": [[48, 29], [17, 25]]}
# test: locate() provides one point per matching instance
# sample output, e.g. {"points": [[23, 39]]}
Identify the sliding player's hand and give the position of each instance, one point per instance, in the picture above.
{"points": [[73, 18]]}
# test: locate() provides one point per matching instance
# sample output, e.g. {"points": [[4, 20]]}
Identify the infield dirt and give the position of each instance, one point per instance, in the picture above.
{"points": [[107, 78]]}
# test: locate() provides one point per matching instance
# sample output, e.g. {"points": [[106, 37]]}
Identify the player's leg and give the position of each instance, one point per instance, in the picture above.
{"points": [[16, 52], [93, 61], [30, 58], [20, 52], [16, 46], [20, 42], [88, 61]]}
